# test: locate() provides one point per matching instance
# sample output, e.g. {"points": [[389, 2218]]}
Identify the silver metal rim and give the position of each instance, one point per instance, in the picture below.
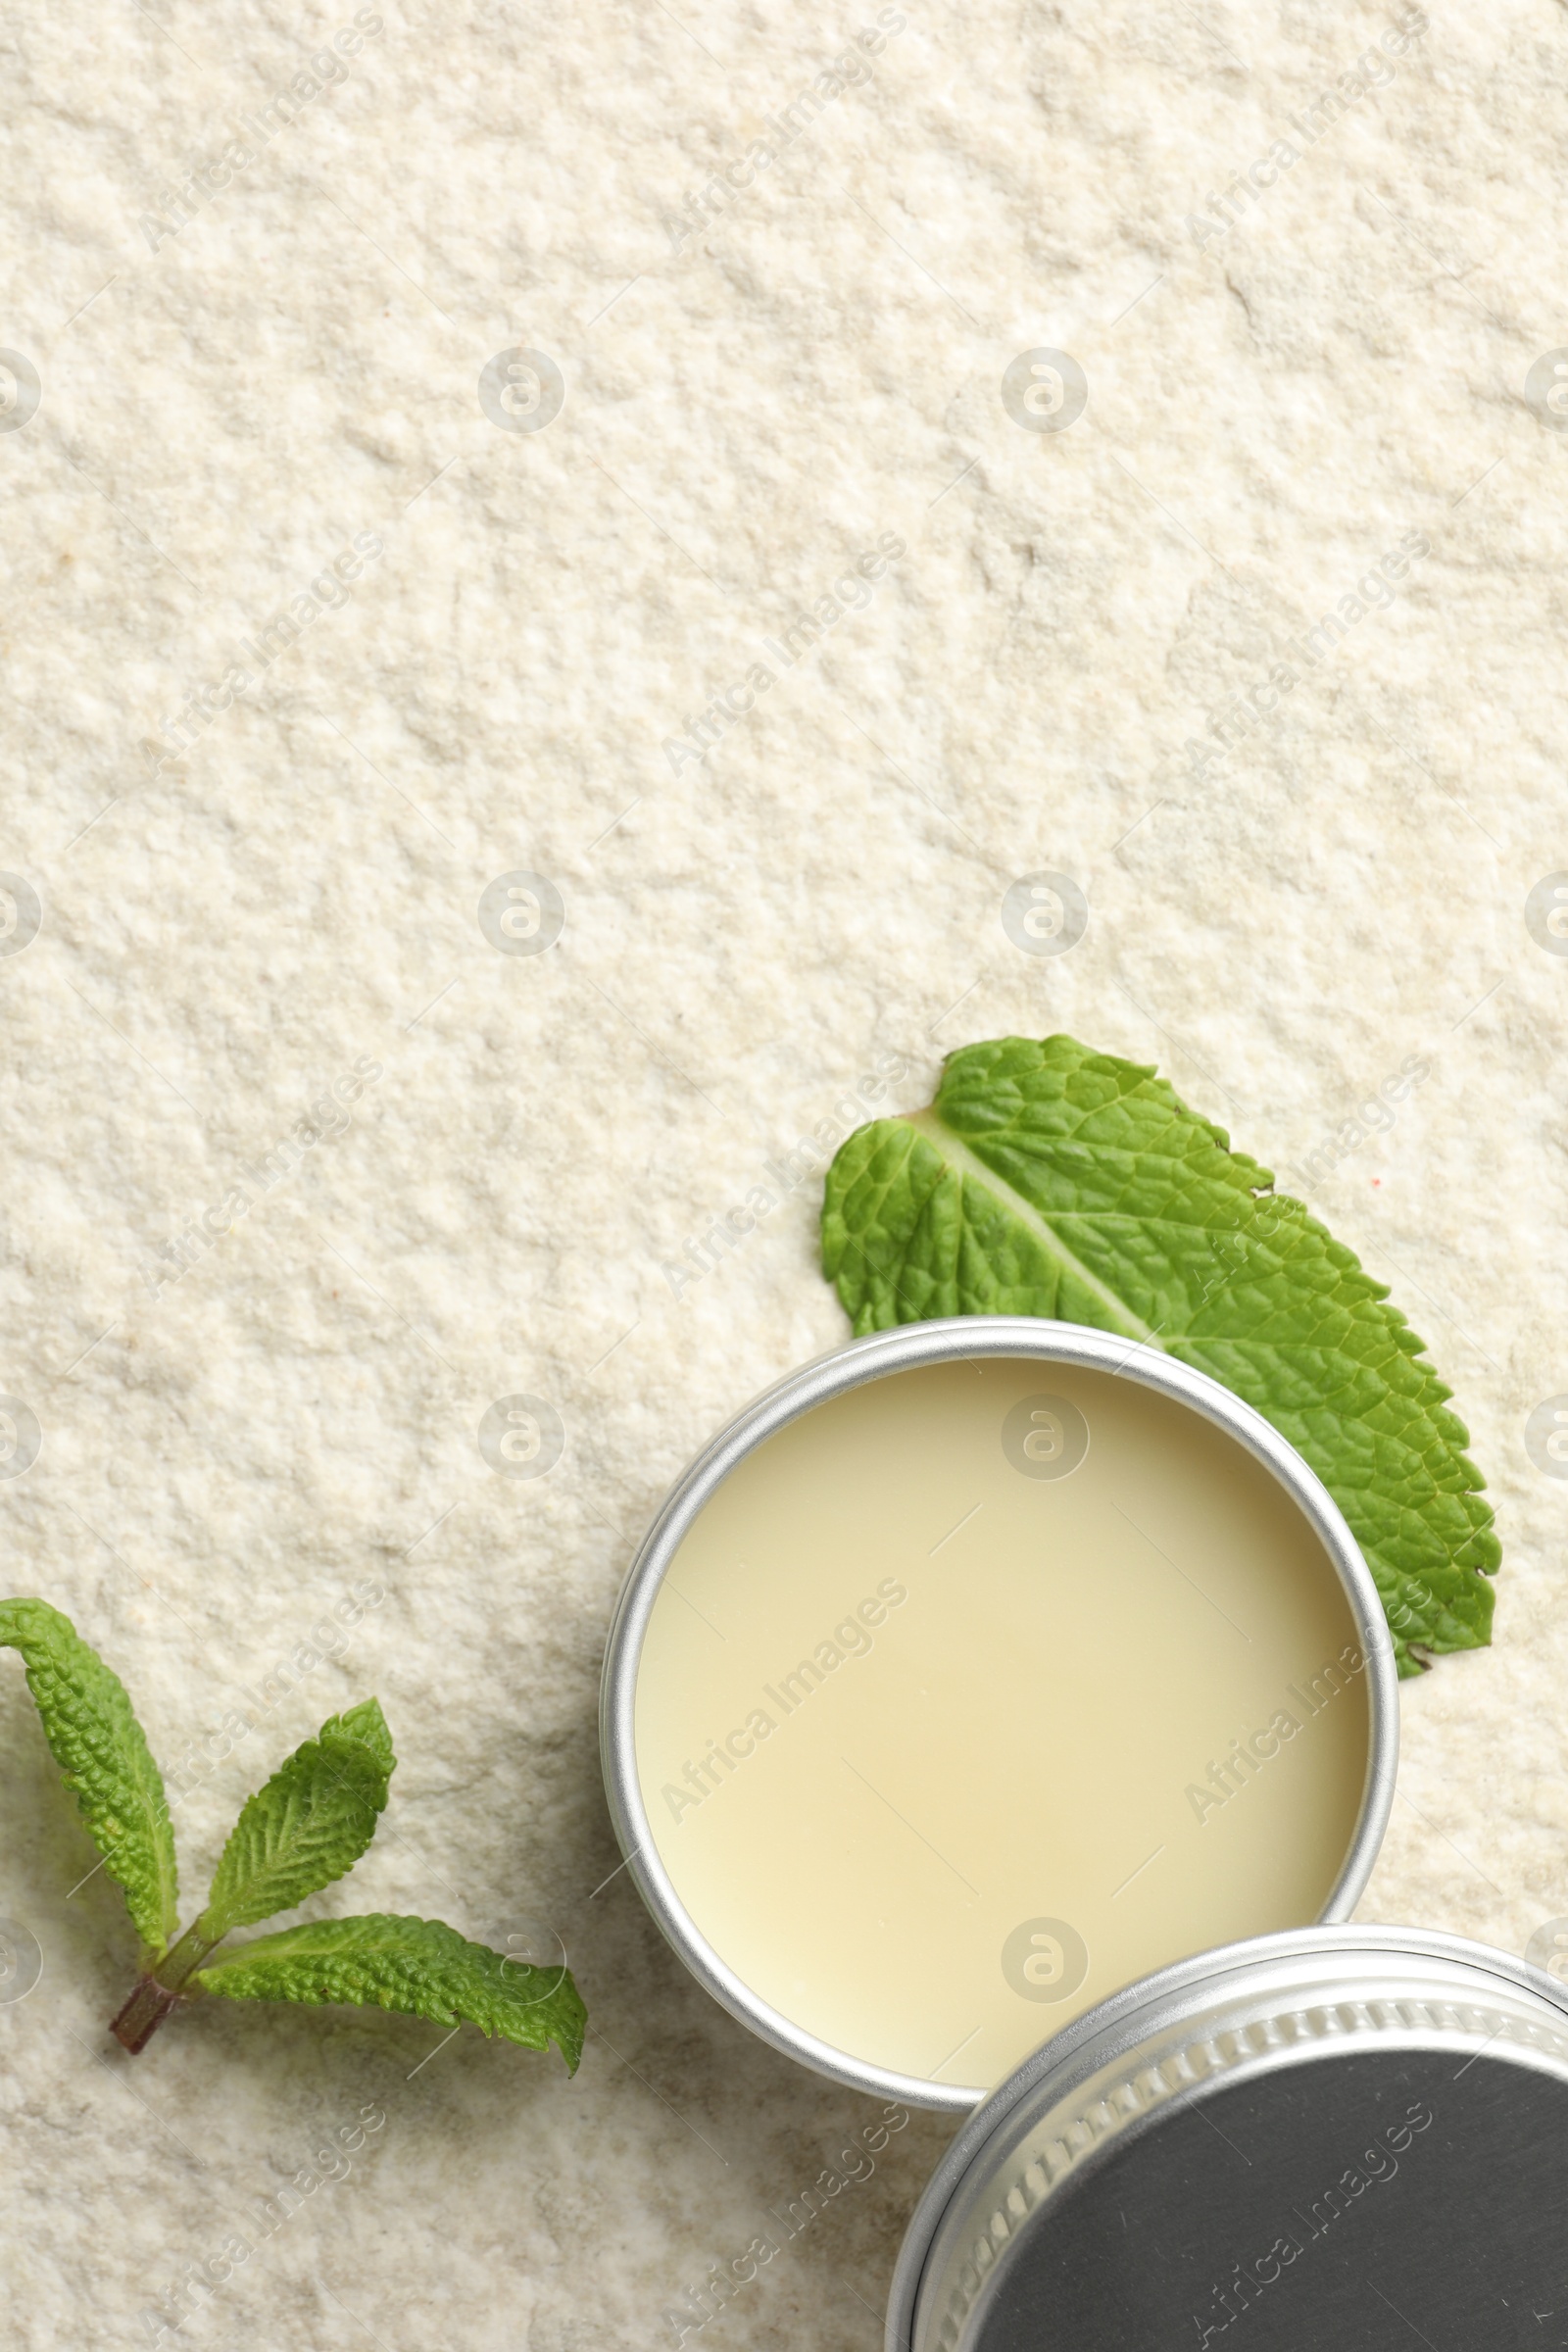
{"points": [[950, 1340], [1306, 1979]]}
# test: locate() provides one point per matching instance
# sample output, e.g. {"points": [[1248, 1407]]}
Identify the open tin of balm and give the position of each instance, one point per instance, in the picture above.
{"points": [[975, 1669], [1350, 2136]]}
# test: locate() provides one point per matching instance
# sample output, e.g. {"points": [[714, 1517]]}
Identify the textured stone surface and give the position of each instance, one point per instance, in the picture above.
{"points": [[751, 401]]}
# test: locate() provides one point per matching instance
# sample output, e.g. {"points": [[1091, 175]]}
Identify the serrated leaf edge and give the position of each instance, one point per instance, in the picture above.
{"points": [[331, 1736], [569, 2043], [151, 1797]]}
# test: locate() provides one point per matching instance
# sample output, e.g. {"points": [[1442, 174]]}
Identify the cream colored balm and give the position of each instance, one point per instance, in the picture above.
{"points": [[985, 1687]]}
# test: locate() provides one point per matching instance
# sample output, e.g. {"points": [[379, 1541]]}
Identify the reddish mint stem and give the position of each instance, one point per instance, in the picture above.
{"points": [[156, 1993]]}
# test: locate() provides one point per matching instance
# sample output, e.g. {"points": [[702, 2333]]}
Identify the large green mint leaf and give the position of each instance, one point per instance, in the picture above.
{"points": [[418, 1966], [102, 1750], [310, 1823], [1050, 1179]]}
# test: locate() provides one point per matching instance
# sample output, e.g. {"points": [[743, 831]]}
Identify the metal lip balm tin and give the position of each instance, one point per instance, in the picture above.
{"points": [[1350, 2136], [901, 1349]]}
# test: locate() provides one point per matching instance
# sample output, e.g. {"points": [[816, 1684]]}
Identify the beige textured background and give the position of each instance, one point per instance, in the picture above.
{"points": [[749, 402]]}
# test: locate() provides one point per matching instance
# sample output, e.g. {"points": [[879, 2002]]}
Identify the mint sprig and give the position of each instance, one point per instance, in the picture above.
{"points": [[305, 1828], [1047, 1179]]}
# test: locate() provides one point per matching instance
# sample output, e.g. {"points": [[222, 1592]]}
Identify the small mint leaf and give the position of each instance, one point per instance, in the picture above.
{"points": [[1050, 1179], [418, 1966], [310, 1823], [102, 1750]]}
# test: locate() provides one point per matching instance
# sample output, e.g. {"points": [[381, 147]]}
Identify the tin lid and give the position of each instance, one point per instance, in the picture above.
{"points": [[1350, 2136]]}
